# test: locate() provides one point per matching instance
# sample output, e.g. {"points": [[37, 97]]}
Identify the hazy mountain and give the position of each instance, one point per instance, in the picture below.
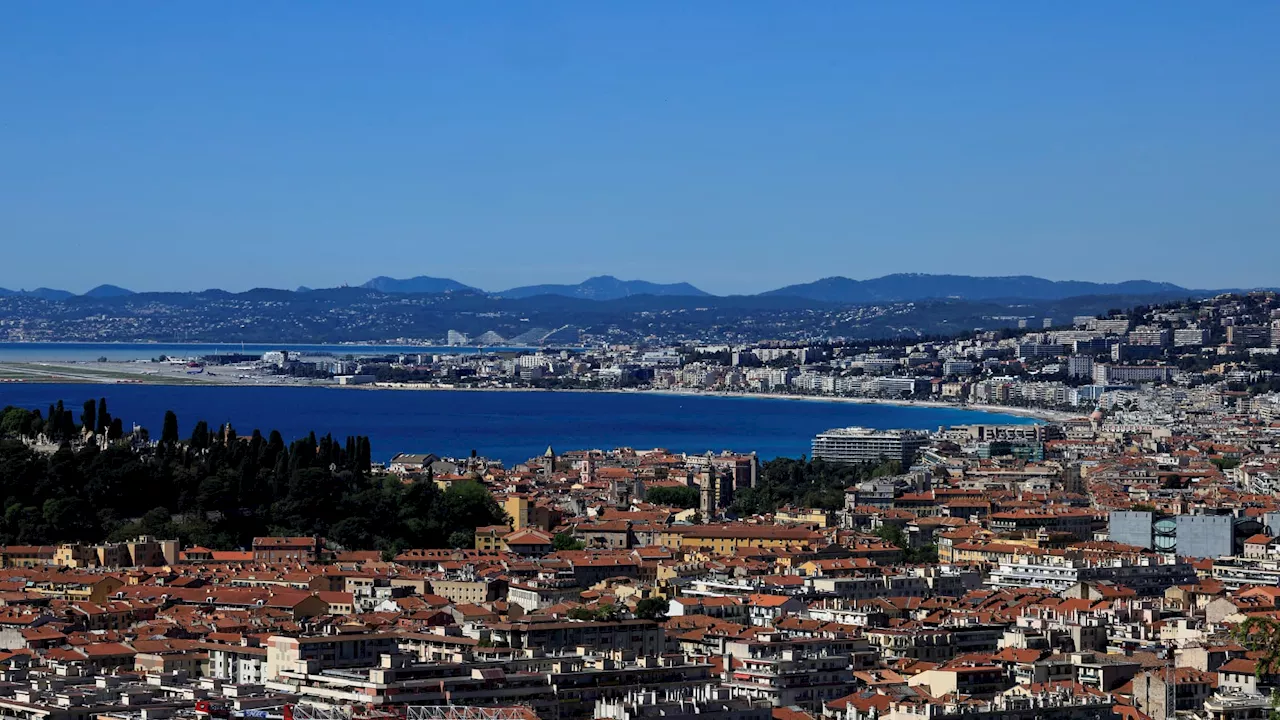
{"points": [[605, 287], [915, 286], [43, 293], [901, 287], [282, 316], [420, 284], [106, 291]]}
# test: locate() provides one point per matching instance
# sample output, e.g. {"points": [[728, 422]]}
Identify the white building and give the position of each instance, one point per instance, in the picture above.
{"points": [[858, 444]]}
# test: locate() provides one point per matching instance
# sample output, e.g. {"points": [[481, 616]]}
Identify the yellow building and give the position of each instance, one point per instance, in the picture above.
{"points": [[75, 555], [27, 555], [524, 513], [517, 508], [78, 588], [726, 539], [805, 516], [490, 538], [139, 552]]}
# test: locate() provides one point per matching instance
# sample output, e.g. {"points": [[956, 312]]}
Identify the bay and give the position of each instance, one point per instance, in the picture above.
{"points": [[511, 426]]}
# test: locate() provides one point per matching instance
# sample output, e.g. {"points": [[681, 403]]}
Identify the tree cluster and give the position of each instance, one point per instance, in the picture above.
{"points": [[681, 496], [806, 483], [215, 488], [926, 554]]}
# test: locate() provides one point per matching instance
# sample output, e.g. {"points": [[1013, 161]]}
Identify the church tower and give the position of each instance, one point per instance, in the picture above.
{"points": [[548, 463], [708, 494]]}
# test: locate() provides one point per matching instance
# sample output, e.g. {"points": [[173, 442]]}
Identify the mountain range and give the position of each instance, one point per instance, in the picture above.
{"points": [[901, 287], [102, 291], [916, 286]]}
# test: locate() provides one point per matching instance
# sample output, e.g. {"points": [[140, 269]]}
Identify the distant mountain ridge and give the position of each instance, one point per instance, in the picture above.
{"points": [[899, 287], [606, 287], [916, 286], [43, 293], [419, 284], [104, 291]]}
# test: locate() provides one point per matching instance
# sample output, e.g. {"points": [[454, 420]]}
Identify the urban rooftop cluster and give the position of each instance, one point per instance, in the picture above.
{"points": [[1119, 561]]}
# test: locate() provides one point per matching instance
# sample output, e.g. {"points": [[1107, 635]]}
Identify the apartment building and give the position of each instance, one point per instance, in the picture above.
{"points": [[642, 637], [864, 445], [309, 655], [789, 677]]}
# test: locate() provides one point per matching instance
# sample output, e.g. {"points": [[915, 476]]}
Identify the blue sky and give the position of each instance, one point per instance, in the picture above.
{"points": [[738, 145]]}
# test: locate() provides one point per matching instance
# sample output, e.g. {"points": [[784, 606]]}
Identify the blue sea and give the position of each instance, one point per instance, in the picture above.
{"points": [[509, 426]]}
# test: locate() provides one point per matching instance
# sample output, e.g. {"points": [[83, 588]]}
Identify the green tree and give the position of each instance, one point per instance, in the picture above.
{"points": [[200, 436], [89, 416], [653, 608], [681, 496], [816, 483], [566, 541], [169, 431], [224, 495], [17, 422], [103, 419], [892, 534]]}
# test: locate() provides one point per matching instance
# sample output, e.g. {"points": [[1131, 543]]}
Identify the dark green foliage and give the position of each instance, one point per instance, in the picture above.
{"points": [[893, 534], [654, 608], [806, 483], [104, 418], [18, 422], [1262, 636], [681, 497], [565, 541], [603, 613], [89, 416], [169, 432], [220, 490]]}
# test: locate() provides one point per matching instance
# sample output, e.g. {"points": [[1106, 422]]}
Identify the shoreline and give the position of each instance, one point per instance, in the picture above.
{"points": [[1035, 413], [1045, 415]]}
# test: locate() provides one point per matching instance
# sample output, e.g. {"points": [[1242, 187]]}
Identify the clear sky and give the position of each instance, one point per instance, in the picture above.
{"points": [[736, 145]]}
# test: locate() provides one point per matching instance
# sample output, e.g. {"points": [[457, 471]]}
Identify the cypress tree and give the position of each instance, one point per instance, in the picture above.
{"points": [[66, 423], [169, 435], [104, 418], [89, 416]]}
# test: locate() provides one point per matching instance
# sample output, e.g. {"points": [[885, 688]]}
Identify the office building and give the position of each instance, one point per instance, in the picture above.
{"points": [[1196, 536], [1131, 528], [1206, 536]]}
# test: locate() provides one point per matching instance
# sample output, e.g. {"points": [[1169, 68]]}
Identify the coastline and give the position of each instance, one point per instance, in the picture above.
{"points": [[1035, 413], [120, 373]]}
